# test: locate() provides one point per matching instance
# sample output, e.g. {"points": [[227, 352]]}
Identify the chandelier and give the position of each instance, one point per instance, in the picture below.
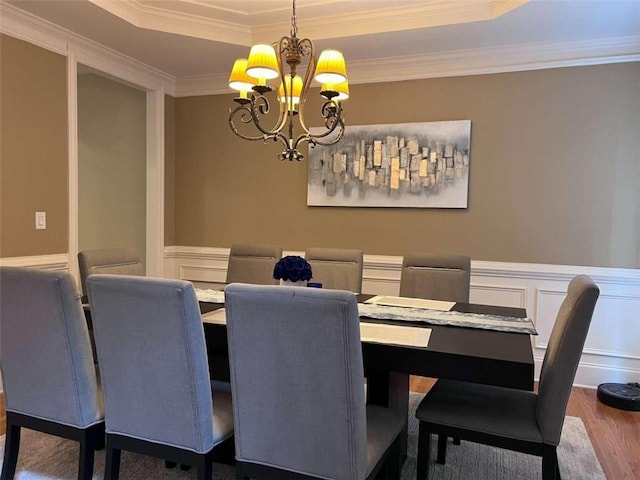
{"points": [[281, 60]]}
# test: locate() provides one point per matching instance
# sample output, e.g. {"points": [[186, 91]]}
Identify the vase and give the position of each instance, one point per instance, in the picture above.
{"points": [[299, 283]]}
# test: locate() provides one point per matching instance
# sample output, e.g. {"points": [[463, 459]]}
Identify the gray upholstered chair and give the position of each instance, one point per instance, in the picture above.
{"points": [[114, 261], [296, 378], [47, 370], [153, 362], [336, 268], [436, 277], [253, 263], [514, 419]]}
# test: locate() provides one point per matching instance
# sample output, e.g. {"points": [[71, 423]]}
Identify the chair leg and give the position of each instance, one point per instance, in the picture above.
{"points": [[11, 448], [393, 465], [85, 463], [240, 474], [442, 449], [112, 463], [204, 467], [91, 439], [550, 467], [424, 452]]}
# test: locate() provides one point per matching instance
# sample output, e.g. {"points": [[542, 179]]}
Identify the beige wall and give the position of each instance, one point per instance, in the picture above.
{"points": [[33, 149], [111, 165], [169, 170], [555, 173]]}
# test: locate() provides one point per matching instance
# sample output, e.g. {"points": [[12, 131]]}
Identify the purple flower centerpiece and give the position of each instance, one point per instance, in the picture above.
{"points": [[292, 269]]}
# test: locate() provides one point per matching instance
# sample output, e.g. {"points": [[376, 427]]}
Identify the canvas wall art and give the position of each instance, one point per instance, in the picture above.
{"points": [[418, 165]]}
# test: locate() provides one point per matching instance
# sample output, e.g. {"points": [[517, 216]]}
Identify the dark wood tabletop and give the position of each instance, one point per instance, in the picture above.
{"points": [[460, 353]]}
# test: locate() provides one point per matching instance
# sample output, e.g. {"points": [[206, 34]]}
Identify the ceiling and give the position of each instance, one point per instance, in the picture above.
{"points": [[197, 38]]}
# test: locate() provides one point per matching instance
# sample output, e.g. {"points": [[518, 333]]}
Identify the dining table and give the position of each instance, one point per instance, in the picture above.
{"points": [[478, 355]]}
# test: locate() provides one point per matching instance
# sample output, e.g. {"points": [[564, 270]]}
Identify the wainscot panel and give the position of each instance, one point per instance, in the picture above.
{"points": [[610, 353]]}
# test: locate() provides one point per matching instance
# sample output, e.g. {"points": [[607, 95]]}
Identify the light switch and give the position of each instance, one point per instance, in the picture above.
{"points": [[41, 220]]}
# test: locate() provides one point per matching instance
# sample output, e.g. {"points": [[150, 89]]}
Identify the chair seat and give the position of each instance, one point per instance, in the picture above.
{"points": [[492, 410], [383, 426]]}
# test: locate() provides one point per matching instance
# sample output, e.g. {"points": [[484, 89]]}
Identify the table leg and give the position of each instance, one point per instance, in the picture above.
{"points": [[390, 389]]}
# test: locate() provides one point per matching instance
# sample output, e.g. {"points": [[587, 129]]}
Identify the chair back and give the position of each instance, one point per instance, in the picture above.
{"points": [[113, 261], [336, 268], [45, 353], [562, 356], [253, 264], [153, 360], [296, 379], [436, 277]]}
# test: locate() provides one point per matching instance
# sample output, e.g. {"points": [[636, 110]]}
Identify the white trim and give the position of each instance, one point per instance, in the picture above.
{"points": [[537, 287], [164, 20], [155, 183], [509, 58], [30, 28], [72, 122], [23, 26], [58, 261]]}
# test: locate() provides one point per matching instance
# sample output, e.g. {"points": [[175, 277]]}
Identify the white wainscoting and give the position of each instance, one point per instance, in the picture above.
{"points": [[59, 261], [612, 349]]}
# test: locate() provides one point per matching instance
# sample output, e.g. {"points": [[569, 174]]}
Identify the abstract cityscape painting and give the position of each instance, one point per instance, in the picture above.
{"points": [[415, 165]]}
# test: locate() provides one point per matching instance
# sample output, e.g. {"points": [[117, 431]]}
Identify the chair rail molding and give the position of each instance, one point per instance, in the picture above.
{"points": [[57, 261], [610, 353]]}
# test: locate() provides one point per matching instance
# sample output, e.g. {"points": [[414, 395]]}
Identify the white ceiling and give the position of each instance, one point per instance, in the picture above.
{"points": [[196, 38]]}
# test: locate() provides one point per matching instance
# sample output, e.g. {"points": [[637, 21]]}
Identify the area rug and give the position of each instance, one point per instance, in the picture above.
{"points": [[46, 457]]}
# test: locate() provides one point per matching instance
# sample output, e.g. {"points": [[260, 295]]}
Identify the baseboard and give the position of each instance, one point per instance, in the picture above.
{"points": [[611, 352]]}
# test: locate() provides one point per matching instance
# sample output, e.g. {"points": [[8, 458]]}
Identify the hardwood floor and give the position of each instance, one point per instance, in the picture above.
{"points": [[615, 434]]}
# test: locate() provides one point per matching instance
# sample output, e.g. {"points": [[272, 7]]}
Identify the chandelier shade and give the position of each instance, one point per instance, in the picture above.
{"points": [[280, 63], [294, 91], [262, 62], [331, 67], [239, 80]]}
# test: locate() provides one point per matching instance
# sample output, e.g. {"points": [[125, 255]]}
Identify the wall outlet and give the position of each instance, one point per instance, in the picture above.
{"points": [[41, 220]]}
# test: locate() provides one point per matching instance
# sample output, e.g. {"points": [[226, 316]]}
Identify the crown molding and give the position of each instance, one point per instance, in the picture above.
{"points": [[390, 19], [164, 20], [24, 26], [30, 28], [348, 23], [510, 58]]}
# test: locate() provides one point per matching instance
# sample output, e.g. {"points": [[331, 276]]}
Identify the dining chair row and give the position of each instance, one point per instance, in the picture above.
{"points": [[424, 275], [292, 413], [334, 268]]}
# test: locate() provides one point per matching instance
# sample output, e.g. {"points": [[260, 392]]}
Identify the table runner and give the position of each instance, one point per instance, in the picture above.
{"points": [[434, 317], [208, 295], [458, 319]]}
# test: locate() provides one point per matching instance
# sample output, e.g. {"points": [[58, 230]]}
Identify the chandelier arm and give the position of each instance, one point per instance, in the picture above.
{"points": [[332, 114], [247, 114], [260, 106], [281, 47], [306, 46], [245, 117]]}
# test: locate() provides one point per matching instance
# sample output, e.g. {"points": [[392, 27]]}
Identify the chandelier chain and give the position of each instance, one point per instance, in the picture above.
{"points": [[294, 26]]}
